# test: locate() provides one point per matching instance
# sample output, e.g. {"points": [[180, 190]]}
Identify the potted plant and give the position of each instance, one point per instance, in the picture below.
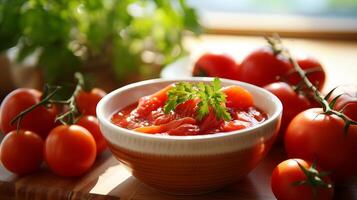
{"points": [[112, 41]]}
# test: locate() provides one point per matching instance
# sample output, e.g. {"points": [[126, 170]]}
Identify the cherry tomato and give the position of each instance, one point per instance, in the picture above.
{"points": [[293, 103], [91, 123], [347, 102], [262, 67], [87, 101], [21, 152], [237, 97], [288, 173], [312, 135], [317, 76], [216, 65], [70, 150], [349, 106], [41, 120]]}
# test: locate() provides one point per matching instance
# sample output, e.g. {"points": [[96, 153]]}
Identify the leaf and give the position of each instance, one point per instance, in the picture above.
{"points": [[58, 65], [328, 95], [10, 31], [210, 97], [216, 84], [203, 109], [180, 93], [190, 18], [306, 172]]}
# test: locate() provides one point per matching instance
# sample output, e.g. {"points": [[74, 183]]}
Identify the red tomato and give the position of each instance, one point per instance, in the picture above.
{"points": [[312, 135], [91, 123], [317, 77], [237, 97], [289, 172], [347, 102], [349, 106], [293, 103], [40, 120], [70, 150], [21, 152], [216, 65], [87, 101], [262, 67]]}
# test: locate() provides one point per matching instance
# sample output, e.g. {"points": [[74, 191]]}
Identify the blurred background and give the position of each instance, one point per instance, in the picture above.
{"points": [[295, 18], [116, 42]]}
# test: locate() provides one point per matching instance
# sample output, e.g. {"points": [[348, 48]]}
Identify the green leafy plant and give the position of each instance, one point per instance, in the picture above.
{"points": [[133, 39]]}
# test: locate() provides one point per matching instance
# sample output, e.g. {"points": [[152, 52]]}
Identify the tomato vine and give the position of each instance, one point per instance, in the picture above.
{"points": [[328, 108], [44, 102], [68, 117]]}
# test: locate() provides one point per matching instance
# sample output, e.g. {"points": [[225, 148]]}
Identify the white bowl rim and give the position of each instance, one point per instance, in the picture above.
{"points": [[106, 122]]}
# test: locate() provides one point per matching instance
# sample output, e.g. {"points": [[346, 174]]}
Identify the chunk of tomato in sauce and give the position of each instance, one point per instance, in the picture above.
{"points": [[187, 109], [185, 129], [237, 97], [149, 103], [159, 117], [235, 125], [210, 123], [166, 127]]}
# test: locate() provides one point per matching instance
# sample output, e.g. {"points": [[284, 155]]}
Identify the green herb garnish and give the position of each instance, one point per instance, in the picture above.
{"points": [[209, 94]]}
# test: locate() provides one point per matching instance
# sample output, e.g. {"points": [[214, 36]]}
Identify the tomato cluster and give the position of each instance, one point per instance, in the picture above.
{"points": [[37, 136], [266, 68], [309, 130]]}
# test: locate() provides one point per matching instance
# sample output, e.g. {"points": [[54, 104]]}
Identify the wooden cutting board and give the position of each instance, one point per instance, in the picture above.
{"points": [[108, 179]]}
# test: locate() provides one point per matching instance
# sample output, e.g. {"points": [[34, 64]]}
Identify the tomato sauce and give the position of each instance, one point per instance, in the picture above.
{"points": [[147, 116]]}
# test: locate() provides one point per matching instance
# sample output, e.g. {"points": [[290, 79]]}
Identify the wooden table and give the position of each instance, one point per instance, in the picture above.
{"points": [[110, 180]]}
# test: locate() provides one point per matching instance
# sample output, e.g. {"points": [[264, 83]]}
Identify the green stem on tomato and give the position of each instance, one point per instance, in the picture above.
{"points": [[314, 178], [275, 42], [71, 102], [301, 83], [68, 117]]}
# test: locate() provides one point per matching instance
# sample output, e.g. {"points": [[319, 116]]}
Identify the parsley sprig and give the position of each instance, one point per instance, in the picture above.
{"points": [[209, 95]]}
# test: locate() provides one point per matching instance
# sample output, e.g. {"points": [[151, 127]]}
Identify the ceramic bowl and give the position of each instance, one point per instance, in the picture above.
{"points": [[188, 164]]}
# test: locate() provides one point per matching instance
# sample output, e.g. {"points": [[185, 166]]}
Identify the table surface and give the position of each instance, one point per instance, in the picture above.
{"points": [[110, 180]]}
